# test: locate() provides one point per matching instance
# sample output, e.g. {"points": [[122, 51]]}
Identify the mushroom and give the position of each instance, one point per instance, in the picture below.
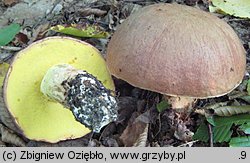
{"points": [[179, 51], [53, 74]]}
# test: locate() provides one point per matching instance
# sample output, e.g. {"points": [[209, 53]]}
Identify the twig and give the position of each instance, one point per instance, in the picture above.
{"points": [[210, 134], [90, 11], [236, 19], [188, 143], [133, 1], [159, 128], [10, 48]]}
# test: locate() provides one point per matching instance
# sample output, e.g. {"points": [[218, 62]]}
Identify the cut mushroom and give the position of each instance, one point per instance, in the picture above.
{"points": [[91, 103], [178, 51], [51, 75]]}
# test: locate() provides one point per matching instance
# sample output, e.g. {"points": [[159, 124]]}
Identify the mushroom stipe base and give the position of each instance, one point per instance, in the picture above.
{"points": [[91, 103]]}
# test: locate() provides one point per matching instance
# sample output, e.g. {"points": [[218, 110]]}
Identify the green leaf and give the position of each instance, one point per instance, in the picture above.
{"points": [[246, 128], [8, 33], [238, 8], [240, 142], [231, 110], [245, 98], [201, 133], [162, 106], [221, 130], [248, 87], [93, 31], [210, 119], [238, 119], [222, 133]]}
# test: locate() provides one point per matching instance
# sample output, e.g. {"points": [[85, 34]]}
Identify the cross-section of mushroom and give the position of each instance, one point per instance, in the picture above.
{"points": [[59, 88]]}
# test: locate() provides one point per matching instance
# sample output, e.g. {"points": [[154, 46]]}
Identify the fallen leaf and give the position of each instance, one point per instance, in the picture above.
{"points": [[222, 131], [10, 2], [10, 137], [163, 105], [127, 105], [8, 33], [110, 142], [93, 31], [223, 109], [248, 87], [245, 128], [80, 142], [238, 8], [191, 2], [39, 32], [142, 139], [134, 134], [231, 110], [2, 144], [183, 133], [89, 11], [21, 39], [240, 142]]}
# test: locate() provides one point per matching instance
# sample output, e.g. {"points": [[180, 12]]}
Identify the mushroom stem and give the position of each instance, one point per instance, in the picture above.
{"points": [[180, 102], [91, 103]]}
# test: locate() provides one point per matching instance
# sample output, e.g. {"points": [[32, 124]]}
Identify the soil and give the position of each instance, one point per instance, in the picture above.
{"points": [[139, 122]]}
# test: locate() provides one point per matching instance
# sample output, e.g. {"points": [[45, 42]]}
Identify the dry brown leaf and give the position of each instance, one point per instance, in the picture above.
{"points": [[110, 142], [155, 144], [80, 142], [142, 140], [2, 144], [94, 143], [183, 133], [21, 39], [135, 128], [90, 11], [191, 2], [129, 8], [10, 2], [38, 32], [10, 137], [127, 105]]}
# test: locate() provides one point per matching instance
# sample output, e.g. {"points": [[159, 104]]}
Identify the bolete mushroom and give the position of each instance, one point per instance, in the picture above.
{"points": [[53, 74], [179, 51]]}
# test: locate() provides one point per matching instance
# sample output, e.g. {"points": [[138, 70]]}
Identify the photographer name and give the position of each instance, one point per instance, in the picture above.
{"points": [[37, 156]]}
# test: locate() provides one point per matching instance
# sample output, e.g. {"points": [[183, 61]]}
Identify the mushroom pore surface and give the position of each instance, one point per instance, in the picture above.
{"points": [[177, 50]]}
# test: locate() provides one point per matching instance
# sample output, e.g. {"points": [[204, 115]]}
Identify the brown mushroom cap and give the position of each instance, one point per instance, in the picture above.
{"points": [[177, 50]]}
